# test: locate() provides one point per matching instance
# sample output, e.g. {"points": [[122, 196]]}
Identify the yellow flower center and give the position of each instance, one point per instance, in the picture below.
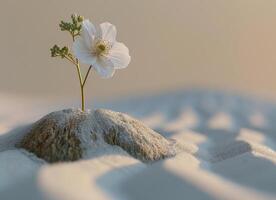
{"points": [[102, 47]]}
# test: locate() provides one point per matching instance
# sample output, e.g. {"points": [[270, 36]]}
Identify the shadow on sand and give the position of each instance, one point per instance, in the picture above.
{"points": [[155, 181]]}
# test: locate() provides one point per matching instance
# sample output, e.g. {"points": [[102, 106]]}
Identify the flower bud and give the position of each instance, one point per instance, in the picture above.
{"points": [[80, 18]]}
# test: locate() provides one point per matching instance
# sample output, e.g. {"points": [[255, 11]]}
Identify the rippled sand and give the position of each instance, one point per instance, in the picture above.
{"points": [[229, 152]]}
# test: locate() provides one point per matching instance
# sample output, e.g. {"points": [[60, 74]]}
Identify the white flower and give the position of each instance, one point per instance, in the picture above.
{"points": [[97, 46]]}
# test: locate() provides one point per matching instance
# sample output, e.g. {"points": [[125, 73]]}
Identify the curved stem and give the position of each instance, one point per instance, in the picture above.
{"points": [[81, 86], [82, 83], [86, 76], [70, 60]]}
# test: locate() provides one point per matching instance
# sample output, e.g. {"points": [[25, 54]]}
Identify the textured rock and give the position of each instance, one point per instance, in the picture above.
{"points": [[54, 138], [68, 135]]}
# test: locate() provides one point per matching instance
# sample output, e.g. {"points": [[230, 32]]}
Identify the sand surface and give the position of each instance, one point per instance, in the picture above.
{"points": [[229, 145]]}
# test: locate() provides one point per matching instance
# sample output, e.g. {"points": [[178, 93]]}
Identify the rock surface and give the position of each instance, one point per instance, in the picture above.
{"points": [[68, 135]]}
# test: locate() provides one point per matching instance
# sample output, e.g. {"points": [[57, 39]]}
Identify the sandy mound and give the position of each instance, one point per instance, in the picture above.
{"points": [[66, 136]]}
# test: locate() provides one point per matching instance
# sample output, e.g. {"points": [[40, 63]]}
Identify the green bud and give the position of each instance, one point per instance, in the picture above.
{"points": [[73, 27], [80, 18], [62, 52], [74, 18], [55, 51]]}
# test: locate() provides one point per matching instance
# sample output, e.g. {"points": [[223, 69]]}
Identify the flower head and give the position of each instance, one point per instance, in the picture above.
{"points": [[97, 46]]}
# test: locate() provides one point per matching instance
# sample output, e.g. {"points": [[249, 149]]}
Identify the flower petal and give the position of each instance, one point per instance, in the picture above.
{"points": [[119, 55], [108, 32], [88, 32], [82, 52], [104, 67]]}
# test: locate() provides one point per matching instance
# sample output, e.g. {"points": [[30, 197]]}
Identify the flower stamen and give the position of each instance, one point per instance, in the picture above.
{"points": [[102, 47]]}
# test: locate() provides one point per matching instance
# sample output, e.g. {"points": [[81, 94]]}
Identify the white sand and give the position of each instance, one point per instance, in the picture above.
{"points": [[229, 153]]}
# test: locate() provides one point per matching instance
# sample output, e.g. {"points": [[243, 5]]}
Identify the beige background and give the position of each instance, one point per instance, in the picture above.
{"points": [[174, 44]]}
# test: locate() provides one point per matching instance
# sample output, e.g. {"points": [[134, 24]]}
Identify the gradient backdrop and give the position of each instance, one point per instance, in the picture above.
{"points": [[229, 45]]}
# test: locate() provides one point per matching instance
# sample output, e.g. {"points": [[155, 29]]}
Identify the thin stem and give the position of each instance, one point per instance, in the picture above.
{"points": [[81, 85], [82, 99], [86, 76], [71, 60]]}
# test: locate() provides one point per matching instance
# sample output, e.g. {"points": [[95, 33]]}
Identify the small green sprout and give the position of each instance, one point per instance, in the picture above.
{"points": [[73, 27], [94, 46]]}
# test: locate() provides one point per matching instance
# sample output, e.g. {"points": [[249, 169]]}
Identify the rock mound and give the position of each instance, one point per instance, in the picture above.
{"points": [[68, 134]]}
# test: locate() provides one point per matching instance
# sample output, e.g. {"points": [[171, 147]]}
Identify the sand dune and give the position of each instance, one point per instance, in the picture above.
{"points": [[228, 142]]}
